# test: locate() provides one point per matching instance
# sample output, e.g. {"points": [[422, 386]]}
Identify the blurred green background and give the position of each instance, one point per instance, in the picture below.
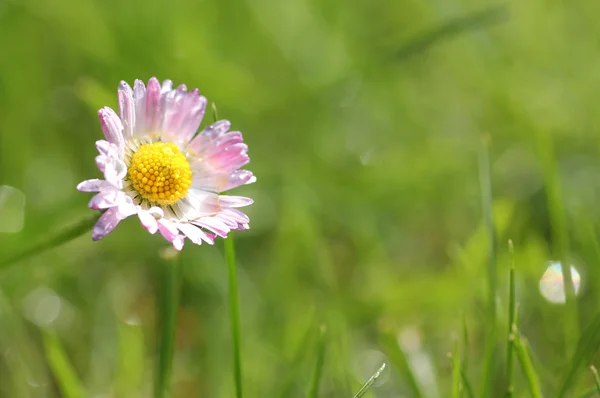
{"points": [[364, 122]]}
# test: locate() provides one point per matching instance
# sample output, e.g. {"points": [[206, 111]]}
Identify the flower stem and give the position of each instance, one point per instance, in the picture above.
{"points": [[234, 313], [169, 284], [63, 236]]}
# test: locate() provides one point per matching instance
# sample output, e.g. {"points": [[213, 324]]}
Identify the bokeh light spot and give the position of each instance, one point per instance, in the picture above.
{"points": [[12, 209], [42, 306]]}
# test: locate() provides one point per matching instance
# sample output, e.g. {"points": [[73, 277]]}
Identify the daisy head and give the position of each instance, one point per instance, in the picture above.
{"points": [[155, 166]]}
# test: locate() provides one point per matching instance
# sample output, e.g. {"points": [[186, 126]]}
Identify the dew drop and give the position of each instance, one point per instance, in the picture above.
{"points": [[552, 283]]}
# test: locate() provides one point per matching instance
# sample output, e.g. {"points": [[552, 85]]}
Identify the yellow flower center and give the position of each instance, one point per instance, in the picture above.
{"points": [[160, 173]]}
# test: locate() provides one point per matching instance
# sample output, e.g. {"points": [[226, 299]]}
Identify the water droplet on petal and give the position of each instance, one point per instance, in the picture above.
{"points": [[552, 283]]}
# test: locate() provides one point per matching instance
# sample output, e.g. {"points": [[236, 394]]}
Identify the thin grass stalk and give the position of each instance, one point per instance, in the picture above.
{"points": [[313, 392], [511, 323], [487, 206], [456, 370], [522, 350], [370, 382], [559, 233]]}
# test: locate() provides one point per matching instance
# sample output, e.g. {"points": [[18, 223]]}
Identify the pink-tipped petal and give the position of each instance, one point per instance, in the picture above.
{"points": [[153, 115], [126, 109], [93, 185], [203, 141], [178, 242], [167, 86], [105, 199], [213, 224], [195, 234], [104, 147], [139, 97], [234, 201], [148, 221], [111, 127], [106, 223], [190, 125]]}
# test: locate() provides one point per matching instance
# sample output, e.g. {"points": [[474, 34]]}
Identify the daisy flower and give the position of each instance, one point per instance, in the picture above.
{"points": [[156, 167]]}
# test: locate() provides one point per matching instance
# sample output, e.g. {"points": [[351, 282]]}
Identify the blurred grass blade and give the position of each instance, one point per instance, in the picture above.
{"points": [[596, 378], [559, 234], [56, 239], [511, 323], [67, 380], [467, 389], [522, 351], [370, 382], [316, 379], [465, 359], [456, 371], [454, 27], [485, 180], [130, 364], [586, 349], [234, 311], [398, 359], [169, 285]]}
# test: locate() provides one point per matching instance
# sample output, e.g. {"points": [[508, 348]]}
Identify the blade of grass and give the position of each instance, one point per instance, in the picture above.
{"points": [[67, 380], [596, 378], [370, 382], [67, 234], [511, 323], [485, 180], [130, 362], [169, 282], [313, 392], [454, 27], [586, 349], [464, 363], [397, 357], [522, 351], [559, 233], [234, 312], [466, 385], [456, 371]]}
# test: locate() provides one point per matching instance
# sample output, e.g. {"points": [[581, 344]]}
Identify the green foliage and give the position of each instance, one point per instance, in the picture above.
{"points": [[364, 122]]}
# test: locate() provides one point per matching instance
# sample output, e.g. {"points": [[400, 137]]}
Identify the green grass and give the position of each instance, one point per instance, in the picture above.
{"points": [[376, 211]]}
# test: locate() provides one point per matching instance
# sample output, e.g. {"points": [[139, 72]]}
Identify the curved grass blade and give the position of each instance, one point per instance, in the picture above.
{"points": [[454, 27], [596, 378], [67, 234], [586, 348], [398, 359], [370, 382], [316, 379], [68, 382], [522, 350]]}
